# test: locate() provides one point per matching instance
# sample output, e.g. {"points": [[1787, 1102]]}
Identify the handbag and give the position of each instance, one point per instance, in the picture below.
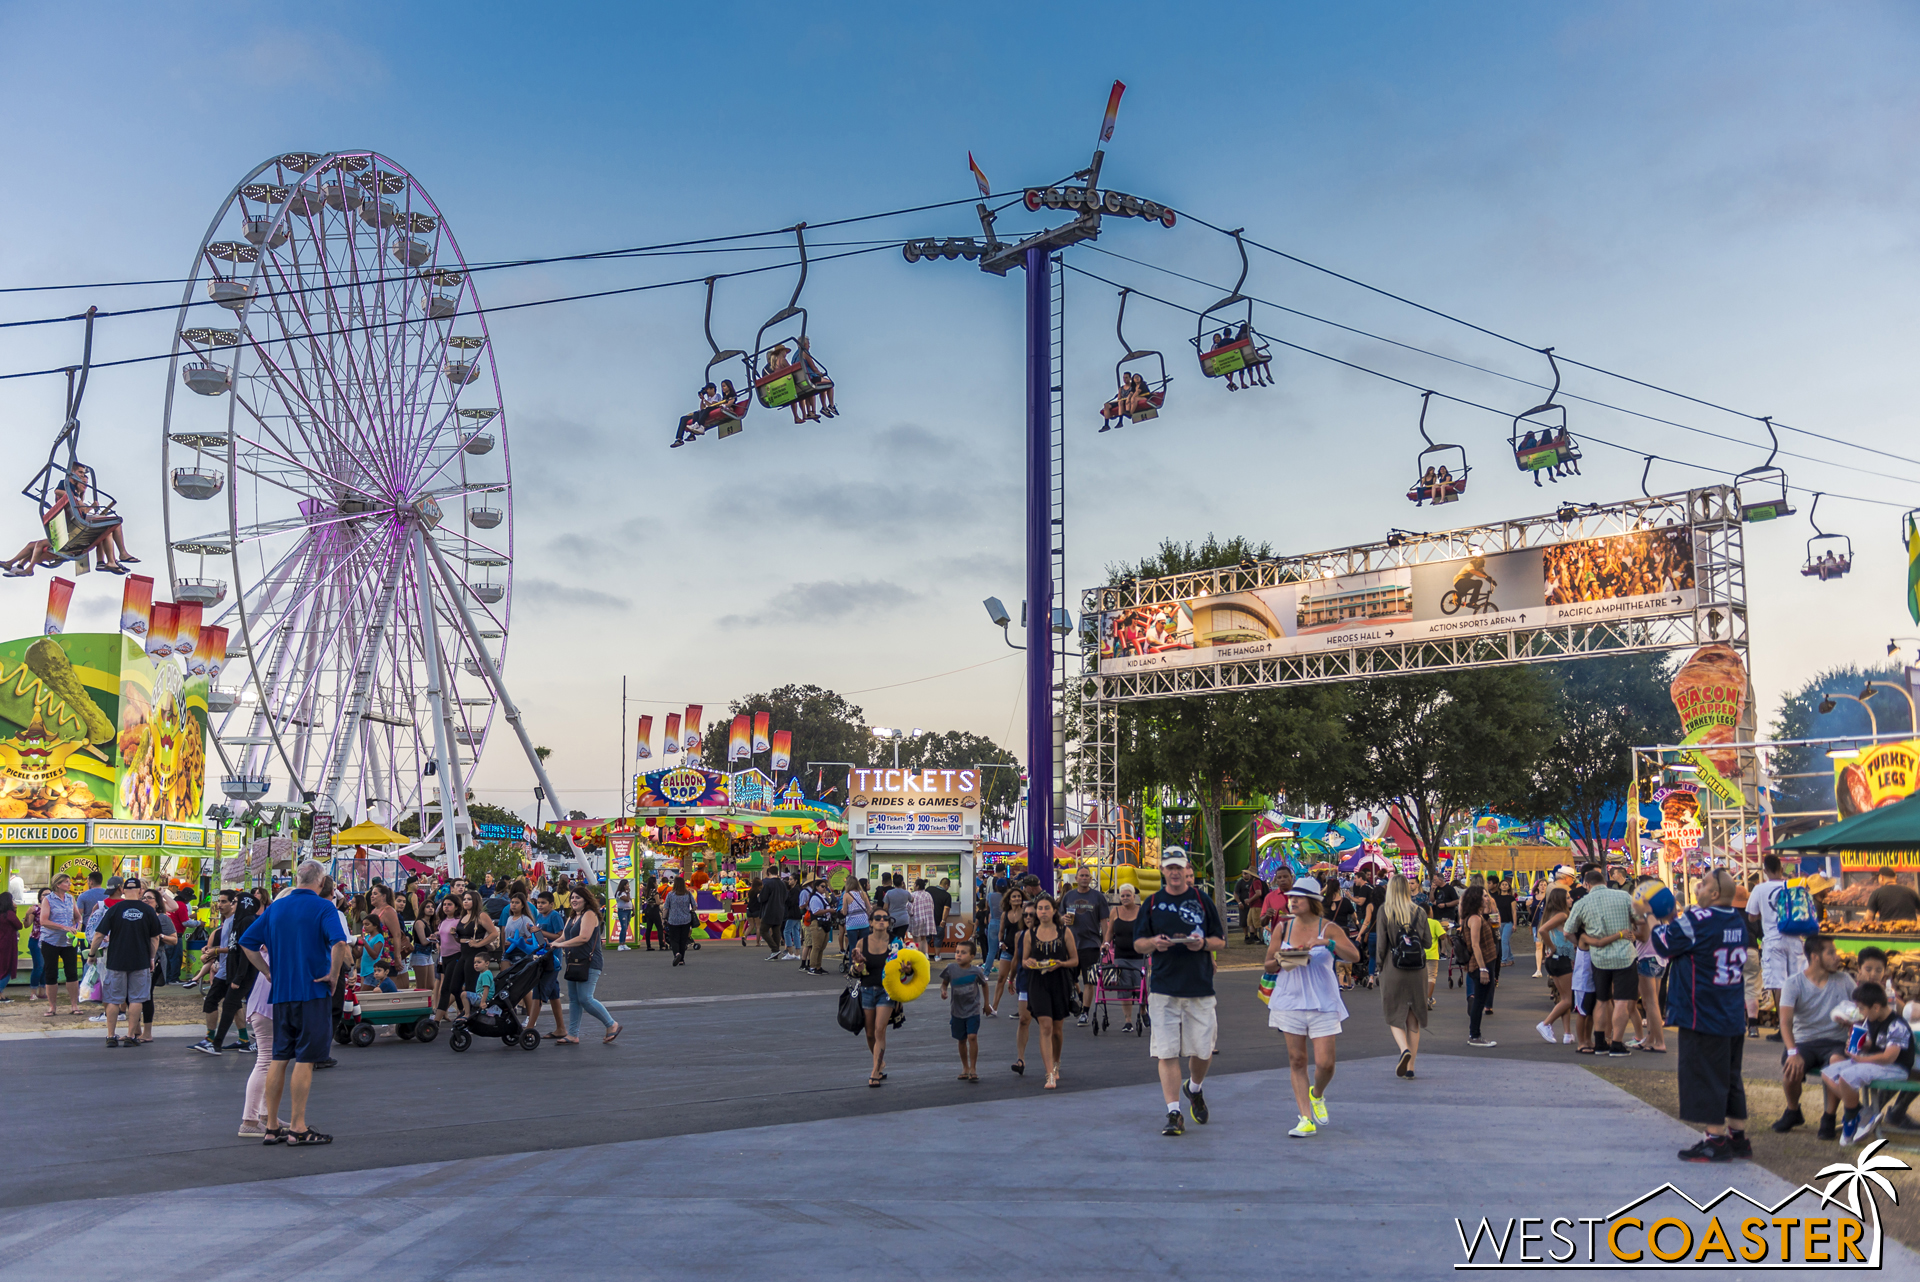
{"points": [[851, 1016], [577, 969]]}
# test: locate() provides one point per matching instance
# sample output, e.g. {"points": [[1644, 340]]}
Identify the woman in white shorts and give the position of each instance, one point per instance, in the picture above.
{"points": [[1306, 1003]]}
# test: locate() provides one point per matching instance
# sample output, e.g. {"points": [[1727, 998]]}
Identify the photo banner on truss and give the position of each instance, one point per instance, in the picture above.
{"points": [[1621, 577]]}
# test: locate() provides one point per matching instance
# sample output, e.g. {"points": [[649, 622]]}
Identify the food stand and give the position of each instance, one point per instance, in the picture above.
{"points": [[1853, 852]]}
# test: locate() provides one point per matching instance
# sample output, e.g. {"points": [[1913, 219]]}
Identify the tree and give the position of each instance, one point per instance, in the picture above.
{"points": [[1430, 748], [1224, 747], [1602, 708], [1804, 775], [824, 725], [959, 749], [501, 858]]}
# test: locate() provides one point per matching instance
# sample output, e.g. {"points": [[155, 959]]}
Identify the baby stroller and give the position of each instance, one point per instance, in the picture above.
{"points": [[1118, 982], [501, 1016]]}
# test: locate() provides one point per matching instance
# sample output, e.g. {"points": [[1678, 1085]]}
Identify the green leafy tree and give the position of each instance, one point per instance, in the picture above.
{"points": [[825, 727], [1804, 774], [1602, 708], [1431, 748], [960, 749], [502, 859], [1225, 748]]}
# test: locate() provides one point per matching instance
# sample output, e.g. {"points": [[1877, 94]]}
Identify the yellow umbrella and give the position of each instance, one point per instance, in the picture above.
{"points": [[368, 833]]}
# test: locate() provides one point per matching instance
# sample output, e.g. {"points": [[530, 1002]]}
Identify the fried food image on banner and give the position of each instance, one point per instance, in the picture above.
{"points": [[161, 750]]}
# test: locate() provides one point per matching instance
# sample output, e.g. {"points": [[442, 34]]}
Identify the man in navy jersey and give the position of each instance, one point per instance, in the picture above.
{"points": [[1706, 946]]}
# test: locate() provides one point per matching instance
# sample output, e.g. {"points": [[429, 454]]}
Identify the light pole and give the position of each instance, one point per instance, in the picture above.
{"points": [[1866, 692], [1827, 705], [882, 732]]}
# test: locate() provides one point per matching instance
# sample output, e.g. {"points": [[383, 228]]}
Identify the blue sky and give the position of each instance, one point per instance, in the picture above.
{"points": [[1714, 197]]}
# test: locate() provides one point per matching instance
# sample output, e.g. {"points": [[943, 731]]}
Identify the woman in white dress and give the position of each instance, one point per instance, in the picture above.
{"points": [[1306, 1003]]}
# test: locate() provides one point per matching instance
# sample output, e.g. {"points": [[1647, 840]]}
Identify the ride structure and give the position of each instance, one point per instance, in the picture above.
{"points": [[1547, 446], [1138, 396], [1434, 482], [76, 515], [1836, 559], [1763, 489], [363, 456], [1233, 353]]}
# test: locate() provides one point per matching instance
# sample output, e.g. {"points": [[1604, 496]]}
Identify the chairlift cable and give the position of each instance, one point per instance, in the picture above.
{"points": [[1461, 400]]}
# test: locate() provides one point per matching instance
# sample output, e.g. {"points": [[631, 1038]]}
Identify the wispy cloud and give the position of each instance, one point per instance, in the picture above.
{"points": [[547, 592], [828, 601]]}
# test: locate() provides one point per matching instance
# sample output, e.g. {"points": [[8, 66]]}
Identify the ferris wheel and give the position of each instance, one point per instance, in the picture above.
{"points": [[338, 492]]}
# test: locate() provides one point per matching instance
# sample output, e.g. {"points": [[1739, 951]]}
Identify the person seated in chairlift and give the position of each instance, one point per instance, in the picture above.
{"points": [[111, 550], [1114, 410], [1256, 371], [1528, 442], [1443, 483], [1423, 489], [694, 424], [723, 407], [822, 384], [23, 563]]}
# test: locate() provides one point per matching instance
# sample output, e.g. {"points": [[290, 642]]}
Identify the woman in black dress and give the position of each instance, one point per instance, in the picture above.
{"points": [[1050, 961], [476, 933]]}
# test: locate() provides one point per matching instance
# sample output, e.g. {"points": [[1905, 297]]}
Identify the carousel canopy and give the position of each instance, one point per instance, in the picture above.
{"points": [[1897, 825]]}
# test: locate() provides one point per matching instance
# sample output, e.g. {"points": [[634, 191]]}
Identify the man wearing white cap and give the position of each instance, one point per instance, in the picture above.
{"points": [[1182, 929]]}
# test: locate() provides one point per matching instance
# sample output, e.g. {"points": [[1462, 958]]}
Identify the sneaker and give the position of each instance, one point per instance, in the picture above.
{"points": [[1174, 1125], [1303, 1128], [1788, 1120], [1566, 1039], [1617, 1051], [1849, 1128], [1545, 1031], [1826, 1131], [773, 957], [1081, 1022], [1319, 1105], [1740, 1144], [205, 1046], [1713, 1148], [1482, 1042], [1773, 1037], [1128, 1028], [623, 948], [1196, 1103]]}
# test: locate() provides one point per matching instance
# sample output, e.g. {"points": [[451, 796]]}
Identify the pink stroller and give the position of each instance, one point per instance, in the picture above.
{"points": [[1123, 981]]}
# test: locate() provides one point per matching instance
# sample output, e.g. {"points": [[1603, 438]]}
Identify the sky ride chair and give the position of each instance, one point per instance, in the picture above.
{"points": [[787, 372], [1434, 482], [73, 524], [1835, 559], [1546, 445], [718, 410], [1138, 397], [1762, 491], [1243, 351]]}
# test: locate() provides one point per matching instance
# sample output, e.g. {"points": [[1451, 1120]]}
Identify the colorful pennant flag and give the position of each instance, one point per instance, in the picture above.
{"points": [[979, 177], [136, 604], [59, 596], [673, 734], [643, 739], [739, 744], [1913, 568], [691, 739], [1113, 112], [186, 631], [165, 622], [760, 720], [213, 643], [782, 749]]}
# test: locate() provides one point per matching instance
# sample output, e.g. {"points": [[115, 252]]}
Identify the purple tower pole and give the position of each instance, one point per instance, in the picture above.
{"points": [[1040, 763]]}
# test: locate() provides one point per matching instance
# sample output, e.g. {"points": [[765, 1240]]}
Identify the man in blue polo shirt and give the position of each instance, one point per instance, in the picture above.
{"points": [[305, 951]]}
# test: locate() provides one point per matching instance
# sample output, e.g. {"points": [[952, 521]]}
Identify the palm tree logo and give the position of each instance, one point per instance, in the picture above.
{"points": [[1849, 1181]]}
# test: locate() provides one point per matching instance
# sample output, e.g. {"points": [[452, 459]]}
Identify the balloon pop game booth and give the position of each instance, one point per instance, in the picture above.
{"points": [[717, 830]]}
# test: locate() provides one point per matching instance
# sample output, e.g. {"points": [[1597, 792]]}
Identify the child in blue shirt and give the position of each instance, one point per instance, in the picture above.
{"points": [[1879, 1049], [382, 982]]}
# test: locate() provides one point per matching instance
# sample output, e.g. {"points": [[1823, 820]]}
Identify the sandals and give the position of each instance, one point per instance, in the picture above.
{"points": [[568, 1041], [1053, 1081], [1020, 1067], [873, 1082], [553, 1037], [611, 1034], [308, 1136], [275, 1135]]}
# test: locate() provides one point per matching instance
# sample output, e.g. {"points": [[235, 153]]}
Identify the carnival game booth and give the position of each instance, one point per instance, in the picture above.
{"points": [[718, 830], [1852, 853]]}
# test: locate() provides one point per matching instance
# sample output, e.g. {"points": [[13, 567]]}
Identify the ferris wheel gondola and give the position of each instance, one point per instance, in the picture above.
{"points": [[1546, 446], [1233, 352], [1138, 397], [1762, 490], [1835, 559], [1435, 482], [787, 372], [721, 407]]}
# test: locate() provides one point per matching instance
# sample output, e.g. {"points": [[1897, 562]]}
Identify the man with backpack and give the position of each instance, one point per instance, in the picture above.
{"points": [[1782, 950]]}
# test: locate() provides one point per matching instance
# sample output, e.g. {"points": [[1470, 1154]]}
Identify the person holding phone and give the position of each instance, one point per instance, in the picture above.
{"points": [[1181, 929]]}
